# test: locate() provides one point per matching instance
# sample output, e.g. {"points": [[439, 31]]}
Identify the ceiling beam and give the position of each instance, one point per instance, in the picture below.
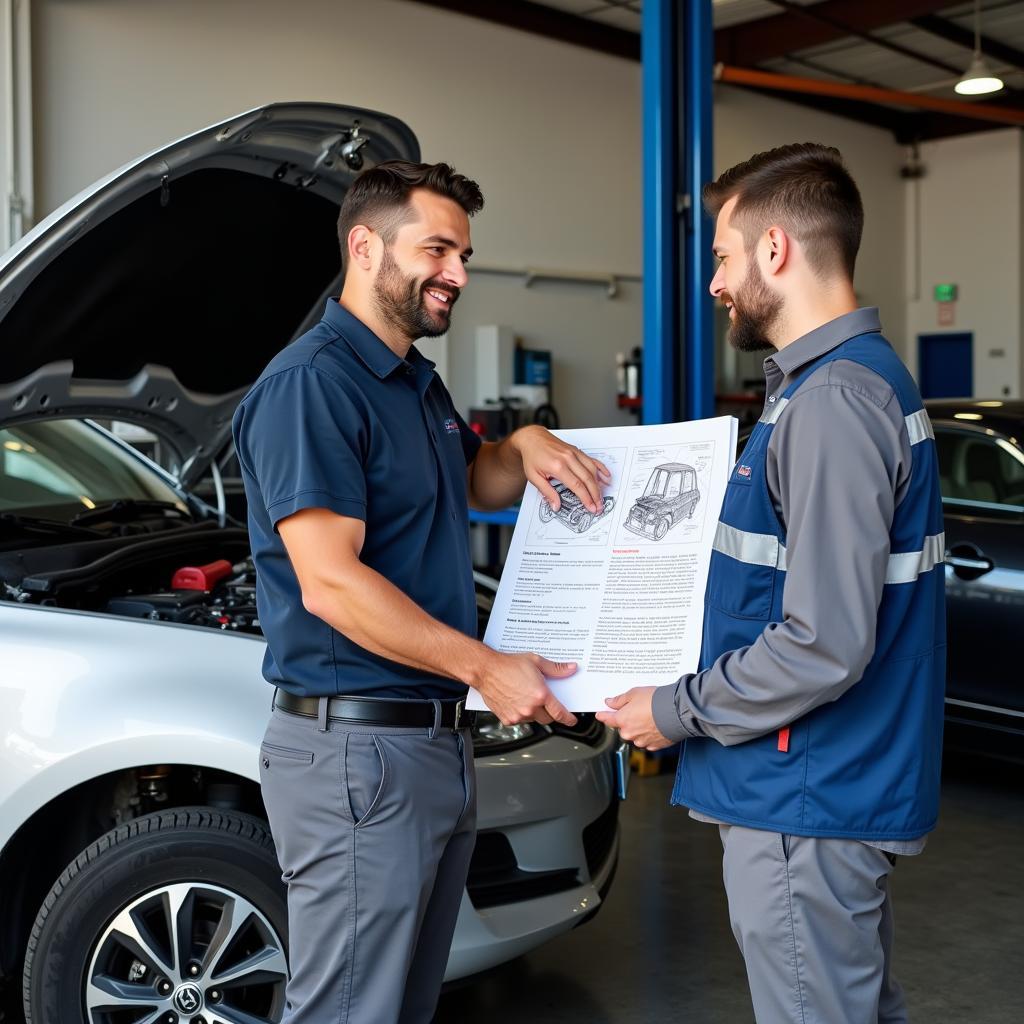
{"points": [[753, 42], [549, 22], [954, 33], [812, 12]]}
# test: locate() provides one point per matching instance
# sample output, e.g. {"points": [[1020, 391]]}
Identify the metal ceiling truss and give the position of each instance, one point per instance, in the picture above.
{"points": [[796, 28]]}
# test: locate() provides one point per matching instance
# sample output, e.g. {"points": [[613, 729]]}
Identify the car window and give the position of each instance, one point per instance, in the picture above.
{"points": [[70, 464], [674, 483], [656, 485], [979, 469]]}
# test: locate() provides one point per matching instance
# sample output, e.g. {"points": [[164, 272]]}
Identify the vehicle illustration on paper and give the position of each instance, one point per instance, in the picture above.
{"points": [[671, 495], [571, 511]]}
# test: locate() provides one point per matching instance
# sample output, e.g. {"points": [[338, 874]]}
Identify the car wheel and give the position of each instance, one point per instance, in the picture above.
{"points": [[584, 523], [546, 512], [661, 528], [177, 916]]}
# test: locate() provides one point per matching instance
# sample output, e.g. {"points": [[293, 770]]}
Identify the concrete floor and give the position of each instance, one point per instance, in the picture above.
{"points": [[661, 949]]}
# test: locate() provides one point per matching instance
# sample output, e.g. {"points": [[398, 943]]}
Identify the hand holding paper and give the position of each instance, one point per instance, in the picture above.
{"points": [[513, 686], [631, 714], [546, 457]]}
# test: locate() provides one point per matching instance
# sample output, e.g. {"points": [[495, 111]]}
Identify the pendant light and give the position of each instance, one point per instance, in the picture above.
{"points": [[979, 78]]}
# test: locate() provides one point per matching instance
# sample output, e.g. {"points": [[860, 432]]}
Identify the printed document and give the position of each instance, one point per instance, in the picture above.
{"points": [[620, 592]]}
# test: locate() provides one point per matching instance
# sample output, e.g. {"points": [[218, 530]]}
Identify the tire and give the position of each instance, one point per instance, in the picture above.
{"points": [[546, 512], [584, 523], [208, 863], [661, 528]]}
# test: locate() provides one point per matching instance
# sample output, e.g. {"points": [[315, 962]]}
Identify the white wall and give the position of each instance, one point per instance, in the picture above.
{"points": [[964, 227], [747, 123], [551, 131]]}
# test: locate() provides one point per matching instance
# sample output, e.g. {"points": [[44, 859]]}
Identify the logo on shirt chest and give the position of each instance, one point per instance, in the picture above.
{"points": [[451, 425], [743, 471]]}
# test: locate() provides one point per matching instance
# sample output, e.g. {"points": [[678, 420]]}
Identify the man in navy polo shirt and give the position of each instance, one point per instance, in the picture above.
{"points": [[359, 472]]}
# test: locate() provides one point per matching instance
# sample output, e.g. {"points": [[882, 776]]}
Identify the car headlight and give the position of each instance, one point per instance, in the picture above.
{"points": [[491, 737]]}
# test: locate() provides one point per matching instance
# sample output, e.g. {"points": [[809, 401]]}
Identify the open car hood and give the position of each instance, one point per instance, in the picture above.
{"points": [[157, 295]]}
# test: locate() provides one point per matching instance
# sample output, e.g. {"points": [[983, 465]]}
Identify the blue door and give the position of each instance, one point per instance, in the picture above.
{"points": [[945, 365]]}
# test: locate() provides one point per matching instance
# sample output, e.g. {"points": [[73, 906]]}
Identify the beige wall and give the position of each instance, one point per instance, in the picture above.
{"points": [[964, 227], [746, 123], [552, 132]]}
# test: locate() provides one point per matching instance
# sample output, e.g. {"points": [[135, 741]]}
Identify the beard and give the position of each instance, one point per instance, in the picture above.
{"points": [[401, 300], [756, 309]]}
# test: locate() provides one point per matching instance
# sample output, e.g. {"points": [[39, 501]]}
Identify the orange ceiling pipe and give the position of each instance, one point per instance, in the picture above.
{"points": [[870, 93]]}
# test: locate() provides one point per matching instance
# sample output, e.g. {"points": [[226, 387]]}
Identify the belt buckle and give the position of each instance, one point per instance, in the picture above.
{"points": [[460, 706]]}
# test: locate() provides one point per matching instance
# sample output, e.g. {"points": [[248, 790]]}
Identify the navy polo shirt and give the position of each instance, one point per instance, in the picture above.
{"points": [[339, 421]]}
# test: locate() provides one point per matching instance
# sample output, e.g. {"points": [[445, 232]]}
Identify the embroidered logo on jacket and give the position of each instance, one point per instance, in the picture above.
{"points": [[451, 425], [743, 471]]}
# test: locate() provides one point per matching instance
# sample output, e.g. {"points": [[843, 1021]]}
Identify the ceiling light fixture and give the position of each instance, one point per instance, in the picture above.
{"points": [[979, 78]]}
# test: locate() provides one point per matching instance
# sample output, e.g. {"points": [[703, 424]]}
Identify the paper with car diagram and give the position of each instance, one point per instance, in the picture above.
{"points": [[620, 593]]}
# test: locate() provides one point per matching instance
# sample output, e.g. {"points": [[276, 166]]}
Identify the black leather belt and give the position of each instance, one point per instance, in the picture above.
{"points": [[409, 714]]}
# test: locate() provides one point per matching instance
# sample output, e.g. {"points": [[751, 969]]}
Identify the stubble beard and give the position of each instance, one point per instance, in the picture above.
{"points": [[756, 308], [399, 300]]}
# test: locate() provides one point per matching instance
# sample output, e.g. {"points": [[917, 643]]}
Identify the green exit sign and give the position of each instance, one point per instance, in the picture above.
{"points": [[945, 293]]}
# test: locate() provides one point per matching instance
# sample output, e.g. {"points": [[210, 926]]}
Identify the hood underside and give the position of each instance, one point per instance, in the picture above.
{"points": [[158, 295]]}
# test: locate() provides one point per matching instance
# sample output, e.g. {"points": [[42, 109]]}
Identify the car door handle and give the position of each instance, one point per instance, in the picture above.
{"points": [[968, 561]]}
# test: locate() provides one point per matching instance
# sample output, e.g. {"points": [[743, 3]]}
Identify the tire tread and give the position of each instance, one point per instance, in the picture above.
{"points": [[236, 823]]}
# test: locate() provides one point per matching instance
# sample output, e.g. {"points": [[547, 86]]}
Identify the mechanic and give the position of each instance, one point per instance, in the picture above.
{"points": [[358, 469], [813, 729]]}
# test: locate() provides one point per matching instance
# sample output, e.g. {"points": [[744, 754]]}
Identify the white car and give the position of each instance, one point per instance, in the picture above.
{"points": [[138, 879]]}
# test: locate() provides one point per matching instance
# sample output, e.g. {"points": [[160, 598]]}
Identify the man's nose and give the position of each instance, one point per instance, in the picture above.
{"points": [[455, 272], [717, 285]]}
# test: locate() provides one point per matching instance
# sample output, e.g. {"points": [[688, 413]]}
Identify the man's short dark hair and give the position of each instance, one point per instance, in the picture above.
{"points": [[805, 189], [379, 197]]}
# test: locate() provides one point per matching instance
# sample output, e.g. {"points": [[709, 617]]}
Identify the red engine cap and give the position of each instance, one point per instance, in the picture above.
{"points": [[202, 577]]}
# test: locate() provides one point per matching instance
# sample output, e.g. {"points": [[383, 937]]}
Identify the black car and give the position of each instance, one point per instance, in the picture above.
{"points": [[980, 447]]}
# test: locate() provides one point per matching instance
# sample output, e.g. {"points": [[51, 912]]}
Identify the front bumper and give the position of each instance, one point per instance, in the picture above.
{"points": [[643, 526], [547, 848]]}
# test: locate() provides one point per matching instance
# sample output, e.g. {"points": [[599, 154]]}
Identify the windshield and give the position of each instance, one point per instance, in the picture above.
{"points": [[60, 467], [663, 484]]}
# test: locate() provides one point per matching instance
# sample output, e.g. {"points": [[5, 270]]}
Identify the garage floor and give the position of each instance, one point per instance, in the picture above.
{"points": [[661, 949]]}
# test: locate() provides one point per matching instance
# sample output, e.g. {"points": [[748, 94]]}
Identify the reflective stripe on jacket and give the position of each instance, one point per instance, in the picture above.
{"points": [[866, 765]]}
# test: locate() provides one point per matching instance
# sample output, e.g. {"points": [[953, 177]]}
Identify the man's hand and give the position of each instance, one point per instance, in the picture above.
{"points": [[545, 457], [513, 686], [633, 717]]}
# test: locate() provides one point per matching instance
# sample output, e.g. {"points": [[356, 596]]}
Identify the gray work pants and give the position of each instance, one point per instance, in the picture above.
{"points": [[813, 919], [374, 829]]}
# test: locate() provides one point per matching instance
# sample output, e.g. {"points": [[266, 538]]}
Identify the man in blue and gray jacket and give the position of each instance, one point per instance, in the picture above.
{"points": [[813, 727]]}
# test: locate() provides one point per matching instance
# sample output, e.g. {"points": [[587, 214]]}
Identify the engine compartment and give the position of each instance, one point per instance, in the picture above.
{"points": [[202, 575]]}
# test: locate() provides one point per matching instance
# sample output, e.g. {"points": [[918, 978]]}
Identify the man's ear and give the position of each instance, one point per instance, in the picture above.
{"points": [[776, 248], [360, 246]]}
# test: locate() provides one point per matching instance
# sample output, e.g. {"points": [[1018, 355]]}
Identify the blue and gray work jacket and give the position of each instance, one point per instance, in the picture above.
{"points": [[851, 748]]}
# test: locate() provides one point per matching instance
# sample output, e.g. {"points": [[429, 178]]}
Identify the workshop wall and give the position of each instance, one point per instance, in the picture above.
{"points": [[748, 122], [965, 227], [551, 131]]}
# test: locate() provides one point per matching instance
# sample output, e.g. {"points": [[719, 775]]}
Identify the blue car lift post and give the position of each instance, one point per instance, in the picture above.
{"points": [[677, 44], [678, 353]]}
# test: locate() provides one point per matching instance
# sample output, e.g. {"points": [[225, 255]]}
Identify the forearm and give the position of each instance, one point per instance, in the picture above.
{"points": [[838, 512], [372, 612], [787, 672], [497, 478]]}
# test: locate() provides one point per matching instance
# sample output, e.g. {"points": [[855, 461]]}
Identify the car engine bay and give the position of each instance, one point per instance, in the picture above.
{"points": [[200, 575]]}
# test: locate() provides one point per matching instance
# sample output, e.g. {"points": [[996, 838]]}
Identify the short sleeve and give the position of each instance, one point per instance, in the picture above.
{"points": [[301, 438], [471, 441]]}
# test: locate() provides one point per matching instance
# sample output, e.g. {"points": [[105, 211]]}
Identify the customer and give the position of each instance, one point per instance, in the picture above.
{"points": [[814, 726], [357, 469]]}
